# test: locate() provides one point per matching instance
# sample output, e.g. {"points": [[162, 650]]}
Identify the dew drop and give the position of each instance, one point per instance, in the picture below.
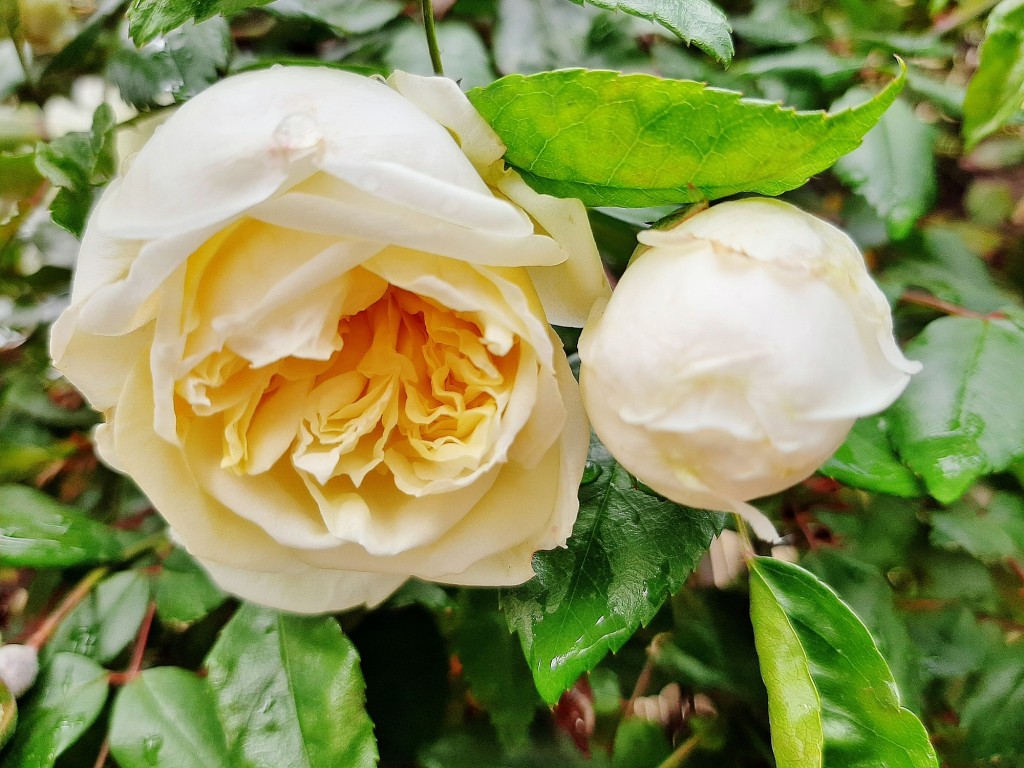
{"points": [[591, 472], [151, 746], [296, 132]]}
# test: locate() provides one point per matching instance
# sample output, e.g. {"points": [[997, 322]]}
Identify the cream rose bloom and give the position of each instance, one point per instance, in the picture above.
{"points": [[314, 313], [736, 353]]}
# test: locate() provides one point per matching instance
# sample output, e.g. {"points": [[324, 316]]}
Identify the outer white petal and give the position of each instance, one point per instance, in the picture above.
{"points": [[307, 590]]}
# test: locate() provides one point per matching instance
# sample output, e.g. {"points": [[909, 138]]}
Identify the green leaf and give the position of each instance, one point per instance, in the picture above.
{"points": [[806, 61], [79, 163], [962, 416], [167, 718], [894, 168], [995, 92], [190, 59], [697, 22], [184, 593], [274, 677], [8, 714], [342, 16], [952, 642], [832, 699], [149, 18], [613, 139], [867, 592], [103, 624], [494, 667], [537, 35], [19, 177], [628, 552], [867, 460], [993, 717], [941, 262], [772, 23], [990, 533], [63, 704], [38, 532]]}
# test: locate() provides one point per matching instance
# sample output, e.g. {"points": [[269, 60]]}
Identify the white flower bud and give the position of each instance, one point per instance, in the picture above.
{"points": [[736, 353], [19, 666]]}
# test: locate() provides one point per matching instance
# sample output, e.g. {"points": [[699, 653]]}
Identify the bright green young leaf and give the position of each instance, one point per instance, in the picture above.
{"points": [[866, 460], [38, 532], [494, 668], [991, 533], [697, 22], [832, 699], [65, 701], [290, 687], [184, 593], [995, 93], [894, 168], [19, 177], [993, 717], [149, 18], [629, 551], [637, 140], [962, 416], [103, 624], [167, 718], [342, 16]]}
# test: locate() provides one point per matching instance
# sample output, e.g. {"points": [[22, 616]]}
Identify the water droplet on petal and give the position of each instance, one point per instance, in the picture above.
{"points": [[296, 132]]}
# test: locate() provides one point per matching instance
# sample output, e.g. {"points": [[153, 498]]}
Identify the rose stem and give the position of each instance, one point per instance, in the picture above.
{"points": [[39, 638], [682, 752], [428, 26], [922, 299], [138, 650]]}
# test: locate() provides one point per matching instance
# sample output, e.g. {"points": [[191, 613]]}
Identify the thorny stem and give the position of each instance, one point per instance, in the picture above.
{"points": [[428, 25], [45, 630], [923, 299], [683, 751]]}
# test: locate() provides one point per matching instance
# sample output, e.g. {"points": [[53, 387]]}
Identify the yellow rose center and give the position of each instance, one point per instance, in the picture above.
{"points": [[413, 390]]}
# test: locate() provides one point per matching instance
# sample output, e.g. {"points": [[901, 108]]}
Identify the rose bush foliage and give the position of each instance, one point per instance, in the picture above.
{"points": [[736, 353], [314, 311]]}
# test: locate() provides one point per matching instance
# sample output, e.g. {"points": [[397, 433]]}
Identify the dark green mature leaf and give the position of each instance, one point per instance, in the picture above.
{"points": [[167, 718], [38, 532], [149, 18], [993, 717], [494, 668], [629, 551], [184, 593], [961, 417], [952, 643], [699, 22], [866, 591], [996, 91], [832, 699], [990, 533], [274, 677], [866, 460], [894, 168], [637, 140], [942, 263], [103, 624], [62, 705]]}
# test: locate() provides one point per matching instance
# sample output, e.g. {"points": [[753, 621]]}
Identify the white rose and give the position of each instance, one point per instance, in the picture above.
{"points": [[736, 353], [314, 313]]}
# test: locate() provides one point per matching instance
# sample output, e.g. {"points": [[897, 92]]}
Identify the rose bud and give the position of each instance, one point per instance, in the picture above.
{"points": [[736, 353], [19, 667], [314, 312]]}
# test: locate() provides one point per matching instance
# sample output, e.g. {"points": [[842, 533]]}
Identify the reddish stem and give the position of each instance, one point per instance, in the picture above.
{"points": [[138, 650], [78, 593], [923, 299]]}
